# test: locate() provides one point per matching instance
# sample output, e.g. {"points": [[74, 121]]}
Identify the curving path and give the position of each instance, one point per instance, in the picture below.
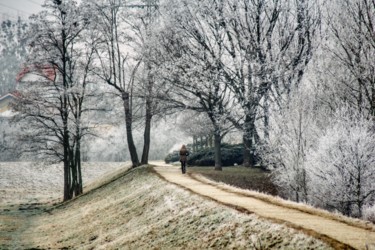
{"points": [[338, 234]]}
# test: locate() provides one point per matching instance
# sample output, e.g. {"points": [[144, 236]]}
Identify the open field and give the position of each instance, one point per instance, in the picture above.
{"points": [[26, 182], [138, 210]]}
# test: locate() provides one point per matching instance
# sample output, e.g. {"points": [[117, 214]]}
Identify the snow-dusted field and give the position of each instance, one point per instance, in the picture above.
{"points": [[25, 182]]}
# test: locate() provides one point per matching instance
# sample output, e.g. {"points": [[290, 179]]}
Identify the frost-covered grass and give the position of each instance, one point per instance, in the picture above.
{"points": [[138, 210], [25, 182]]}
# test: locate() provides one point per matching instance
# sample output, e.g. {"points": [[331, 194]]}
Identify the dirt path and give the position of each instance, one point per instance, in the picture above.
{"points": [[324, 228]]}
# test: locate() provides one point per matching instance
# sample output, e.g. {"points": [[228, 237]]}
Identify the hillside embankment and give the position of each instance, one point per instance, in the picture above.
{"points": [[137, 209]]}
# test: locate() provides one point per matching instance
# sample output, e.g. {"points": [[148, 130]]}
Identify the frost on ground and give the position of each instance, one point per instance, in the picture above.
{"points": [[26, 182], [141, 211]]}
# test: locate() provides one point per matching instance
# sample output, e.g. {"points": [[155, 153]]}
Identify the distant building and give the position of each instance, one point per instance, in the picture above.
{"points": [[6, 102], [37, 73], [26, 75]]}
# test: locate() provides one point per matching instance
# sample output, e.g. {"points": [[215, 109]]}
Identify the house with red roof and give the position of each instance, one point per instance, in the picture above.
{"points": [[37, 73]]}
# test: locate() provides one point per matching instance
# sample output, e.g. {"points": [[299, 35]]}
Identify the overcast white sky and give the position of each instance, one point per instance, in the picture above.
{"points": [[24, 8]]}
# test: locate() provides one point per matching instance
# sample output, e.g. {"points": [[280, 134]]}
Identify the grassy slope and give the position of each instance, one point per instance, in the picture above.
{"points": [[246, 178], [141, 211]]}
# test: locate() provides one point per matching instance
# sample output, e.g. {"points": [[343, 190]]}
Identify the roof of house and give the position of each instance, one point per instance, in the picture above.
{"points": [[47, 71], [14, 94], [5, 104]]}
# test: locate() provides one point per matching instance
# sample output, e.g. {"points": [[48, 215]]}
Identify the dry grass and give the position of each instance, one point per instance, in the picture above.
{"points": [[138, 210]]}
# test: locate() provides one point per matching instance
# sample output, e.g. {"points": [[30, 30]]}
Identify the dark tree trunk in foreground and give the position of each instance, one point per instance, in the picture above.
{"points": [[78, 189], [129, 131], [218, 164], [67, 181], [248, 155], [147, 133]]}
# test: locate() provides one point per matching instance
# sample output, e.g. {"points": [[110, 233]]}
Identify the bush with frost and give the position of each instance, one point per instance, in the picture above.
{"points": [[341, 165]]}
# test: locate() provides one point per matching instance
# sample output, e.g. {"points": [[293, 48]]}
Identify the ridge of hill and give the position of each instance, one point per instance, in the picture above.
{"points": [[139, 210]]}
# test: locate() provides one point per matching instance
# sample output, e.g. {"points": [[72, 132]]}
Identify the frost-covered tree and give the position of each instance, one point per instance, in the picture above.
{"points": [[268, 45], [292, 133], [52, 104], [258, 49], [13, 51], [8, 144], [341, 164], [192, 50], [142, 21], [118, 64], [351, 41], [254, 50], [195, 124]]}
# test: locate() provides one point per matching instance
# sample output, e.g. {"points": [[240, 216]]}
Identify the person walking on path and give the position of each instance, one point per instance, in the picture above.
{"points": [[183, 158]]}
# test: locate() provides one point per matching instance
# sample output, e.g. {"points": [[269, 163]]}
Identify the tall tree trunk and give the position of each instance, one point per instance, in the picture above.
{"points": [[149, 112], [147, 132], [68, 177], [79, 172], [218, 163], [78, 189], [73, 172], [64, 116], [67, 158], [247, 158], [266, 116], [129, 131], [248, 154], [372, 104], [66, 180], [78, 160]]}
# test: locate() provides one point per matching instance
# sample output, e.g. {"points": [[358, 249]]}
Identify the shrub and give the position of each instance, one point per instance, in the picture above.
{"points": [[369, 213], [230, 155], [172, 157]]}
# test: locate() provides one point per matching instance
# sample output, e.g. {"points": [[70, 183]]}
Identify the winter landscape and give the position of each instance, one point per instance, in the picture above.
{"points": [[96, 97]]}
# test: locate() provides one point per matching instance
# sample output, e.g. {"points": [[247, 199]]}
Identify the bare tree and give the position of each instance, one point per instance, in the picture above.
{"points": [[352, 27], [293, 132], [51, 105], [257, 50], [269, 44], [117, 65], [192, 52], [143, 20]]}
